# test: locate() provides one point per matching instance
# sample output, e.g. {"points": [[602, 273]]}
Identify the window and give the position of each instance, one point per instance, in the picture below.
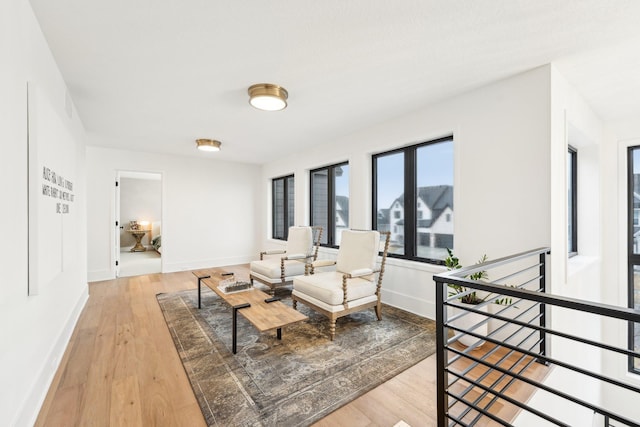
{"points": [[413, 198], [572, 201], [633, 206], [282, 191], [330, 201]]}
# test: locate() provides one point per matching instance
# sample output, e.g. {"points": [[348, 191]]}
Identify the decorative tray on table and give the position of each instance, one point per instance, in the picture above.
{"points": [[232, 285]]}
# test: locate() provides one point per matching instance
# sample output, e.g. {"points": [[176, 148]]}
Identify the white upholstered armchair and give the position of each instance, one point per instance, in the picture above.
{"points": [[354, 285], [302, 247]]}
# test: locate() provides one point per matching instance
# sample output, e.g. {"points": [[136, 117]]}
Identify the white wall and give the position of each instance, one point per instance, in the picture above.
{"points": [[209, 209], [501, 180], [619, 136], [574, 123], [598, 273], [35, 329]]}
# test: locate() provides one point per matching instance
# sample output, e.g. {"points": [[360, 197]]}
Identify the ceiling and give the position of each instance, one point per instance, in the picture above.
{"points": [[154, 75]]}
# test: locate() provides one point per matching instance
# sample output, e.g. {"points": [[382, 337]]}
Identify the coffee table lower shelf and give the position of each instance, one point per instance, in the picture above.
{"points": [[264, 312]]}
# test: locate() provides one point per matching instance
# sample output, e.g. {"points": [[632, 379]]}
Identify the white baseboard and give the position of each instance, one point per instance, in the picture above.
{"points": [[209, 263], [28, 414], [409, 303], [99, 275]]}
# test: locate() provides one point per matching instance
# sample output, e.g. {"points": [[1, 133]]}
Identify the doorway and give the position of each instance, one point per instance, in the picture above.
{"points": [[139, 219]]}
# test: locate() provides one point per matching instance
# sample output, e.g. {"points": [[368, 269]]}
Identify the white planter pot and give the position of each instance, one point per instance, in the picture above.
{"points": [[467, 321]]}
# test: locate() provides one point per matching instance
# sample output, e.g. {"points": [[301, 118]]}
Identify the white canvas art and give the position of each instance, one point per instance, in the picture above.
{"points": [[52, 175]]}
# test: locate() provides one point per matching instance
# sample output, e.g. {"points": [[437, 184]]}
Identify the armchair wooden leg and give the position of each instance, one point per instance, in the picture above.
{"points": [[378, 309], [332, 328], [295, 303]]}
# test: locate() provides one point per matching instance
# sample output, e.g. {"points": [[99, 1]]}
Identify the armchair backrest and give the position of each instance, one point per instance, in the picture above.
{"points": [[358, 249], [300, 240]]}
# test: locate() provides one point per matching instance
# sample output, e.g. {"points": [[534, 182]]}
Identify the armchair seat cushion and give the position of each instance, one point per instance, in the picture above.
{"points": [[334, 308], [327, 287], [271, 268]]}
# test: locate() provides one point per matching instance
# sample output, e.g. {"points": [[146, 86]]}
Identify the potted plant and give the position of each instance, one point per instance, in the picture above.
{"points": [[453, 263], [470, 299]]}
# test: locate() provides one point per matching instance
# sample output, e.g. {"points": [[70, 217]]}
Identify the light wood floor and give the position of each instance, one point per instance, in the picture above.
{"points": [[121, 369]]}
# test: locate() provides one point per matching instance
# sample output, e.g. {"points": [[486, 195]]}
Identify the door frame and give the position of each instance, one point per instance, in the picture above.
{"points": [[117, 225]]}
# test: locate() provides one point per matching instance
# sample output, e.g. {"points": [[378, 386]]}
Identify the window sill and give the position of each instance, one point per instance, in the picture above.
{"points": [[577, 263], [632, 378], [271, 240], [417, 265], [397, 262]]}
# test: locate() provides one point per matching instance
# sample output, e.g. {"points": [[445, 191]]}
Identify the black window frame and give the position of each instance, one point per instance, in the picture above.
{"points": [[410, 198], [285, 180], [573, 155], [331, 193], [633, 259]]}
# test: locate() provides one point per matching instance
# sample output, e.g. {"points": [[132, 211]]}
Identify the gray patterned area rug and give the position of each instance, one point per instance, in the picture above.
{"points": [[294, 381]]}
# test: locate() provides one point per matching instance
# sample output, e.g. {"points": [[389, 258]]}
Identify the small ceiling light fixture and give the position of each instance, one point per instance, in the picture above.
{"points": [[208, 144], [268, 97]]}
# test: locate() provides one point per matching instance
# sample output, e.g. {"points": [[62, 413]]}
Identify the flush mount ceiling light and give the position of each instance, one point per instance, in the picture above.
{"points": [[268, 97], [208, 144]]}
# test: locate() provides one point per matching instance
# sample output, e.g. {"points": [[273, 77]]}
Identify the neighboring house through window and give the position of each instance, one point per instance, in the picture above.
{"points": [[413, 199], [282, 193], [330, 201]]}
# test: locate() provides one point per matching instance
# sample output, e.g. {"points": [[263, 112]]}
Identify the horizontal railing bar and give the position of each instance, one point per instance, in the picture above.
{"points": [[465, 271], [498, 363], [457, 421], [514, 321], [486, 356], [459, 295], [482, 411], [492, 351], [523, 284], [515, 333], [475, 326], [550, 389], [471, 366], [486, 319], [503, 390], [499, 380], [456, 337], [622, 313], [496, 348], [517, 273], [465, 308], [505, 325], [519, 405], [557, 363]]}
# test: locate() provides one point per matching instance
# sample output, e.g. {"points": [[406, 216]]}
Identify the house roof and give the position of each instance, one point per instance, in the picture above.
{"points": [[436, 197], [383, 216]]}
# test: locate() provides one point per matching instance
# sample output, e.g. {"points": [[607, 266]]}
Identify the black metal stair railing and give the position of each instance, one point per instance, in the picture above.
{"points": [[475, 379]]}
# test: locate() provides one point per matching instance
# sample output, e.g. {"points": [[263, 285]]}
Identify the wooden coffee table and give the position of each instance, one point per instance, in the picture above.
{"points": [[264, 312]]}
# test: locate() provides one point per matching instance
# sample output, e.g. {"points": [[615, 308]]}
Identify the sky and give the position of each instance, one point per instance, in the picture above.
{"points": [[435, 167]]}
